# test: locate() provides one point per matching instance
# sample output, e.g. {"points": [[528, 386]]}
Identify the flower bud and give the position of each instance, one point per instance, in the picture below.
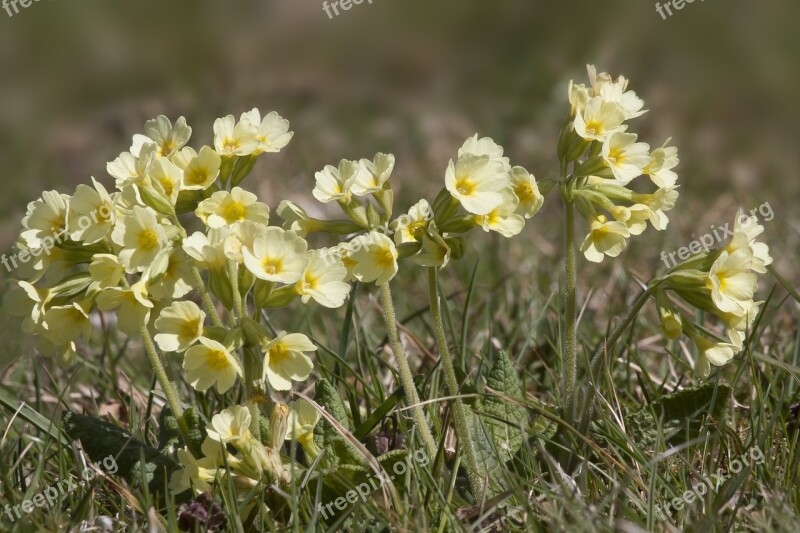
{"points": [[278, 425]]}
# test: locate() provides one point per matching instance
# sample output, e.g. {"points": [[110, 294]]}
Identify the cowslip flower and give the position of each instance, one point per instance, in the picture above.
{"points": [[200, 169], [434, 252], [163, 134], [527, 191], [476, 182], [168, 275], [168, 176], [208, 251], [335, 183], [605, 238], [210, 363], [303, 418], [90, 216], [231, 425], [598, 119], [372, 175], [132, 304], [405, 226], [235, 139], [196, 474], [285, 360], [106, 270], [272, 133], [371, 257], [277, 255], [745, 231], [227, 208], [503, 218], [27, 301], [625, 157], [45, 218], [662, 161], [65, 323], [731, 283], [616, 91], [323, 280], [180, 325], [476, 145], [141, 237]]}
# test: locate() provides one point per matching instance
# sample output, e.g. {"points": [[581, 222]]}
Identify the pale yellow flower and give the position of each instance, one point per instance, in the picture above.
{"points": [[285, 360], [406, 225], [168, 275], [106, 270], [604, 86], [598, 119], [141, 236], [372, 257], [323, 280], [231, 425], [201, 169], [227, 208], [485, 146], [65, 323], [372, 175], [169, 178], [210, 363], [235, 139], [745, 231], [208, 250], [434, 251], [180, 325], [303, 418], [133, 306], [197, 475], [277, 255], [476, 182], [335, 184], [272, 133], [731, 283], [527, 191], [90, 216], [164, 135], [502, 219], [662, 161], [625, 157], [45, 218], [604, 238]]}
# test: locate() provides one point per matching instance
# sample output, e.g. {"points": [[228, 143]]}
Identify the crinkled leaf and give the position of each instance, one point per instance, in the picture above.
{"points": [[337, 449], [680, 414], [504, 420]]}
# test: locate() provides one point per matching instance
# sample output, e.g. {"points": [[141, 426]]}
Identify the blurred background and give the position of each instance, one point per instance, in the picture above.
{"points": [[415, 78]]}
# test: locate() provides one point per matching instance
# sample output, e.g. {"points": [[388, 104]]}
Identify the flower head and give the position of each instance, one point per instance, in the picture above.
{"points": [[210, 363], [285, 360]]}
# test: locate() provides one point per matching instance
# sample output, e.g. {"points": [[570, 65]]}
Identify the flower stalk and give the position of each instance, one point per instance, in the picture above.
{"points": [[460, 419], [405, 371]]}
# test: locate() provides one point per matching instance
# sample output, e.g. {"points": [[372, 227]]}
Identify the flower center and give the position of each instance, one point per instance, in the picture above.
{"points": [[465, 186], [271, 265], [233, 212], [148, 240], [217, 360]]}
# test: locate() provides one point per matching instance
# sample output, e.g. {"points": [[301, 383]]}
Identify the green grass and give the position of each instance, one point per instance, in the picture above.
{"points": [[616, 480]]}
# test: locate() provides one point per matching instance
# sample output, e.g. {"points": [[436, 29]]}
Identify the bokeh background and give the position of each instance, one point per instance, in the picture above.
{"points": [[414, 77]]}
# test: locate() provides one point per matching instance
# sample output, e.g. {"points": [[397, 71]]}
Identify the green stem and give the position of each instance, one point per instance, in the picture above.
{"points": [[233, 273], [170, 390], [569, 363], [197, 279], [460, 419], [405, 371]]}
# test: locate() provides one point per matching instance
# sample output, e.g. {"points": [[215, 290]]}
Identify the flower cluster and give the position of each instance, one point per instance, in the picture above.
{"points": [[494, 196], [721, 282], [605, 159]]}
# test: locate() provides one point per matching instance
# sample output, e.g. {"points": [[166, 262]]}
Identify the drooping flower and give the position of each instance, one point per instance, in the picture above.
{"points": [[372, 175], [132, 304], [503, 218], [303, 418], [527, 191], [731, 283], [662, 161], [231, 425], [201, 169], [106, 270], [45, 218], [335, 183], [372, 257]]}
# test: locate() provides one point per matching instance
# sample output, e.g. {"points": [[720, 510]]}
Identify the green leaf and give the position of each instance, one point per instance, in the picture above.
{"points": [[680, 414], [504, 420], [487, 455], [337, 449], [138, 463]]}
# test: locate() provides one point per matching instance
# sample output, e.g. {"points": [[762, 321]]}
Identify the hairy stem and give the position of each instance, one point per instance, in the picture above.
{"points": [[405, 371], [569, 363], [460, 419], [170, 390]]}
